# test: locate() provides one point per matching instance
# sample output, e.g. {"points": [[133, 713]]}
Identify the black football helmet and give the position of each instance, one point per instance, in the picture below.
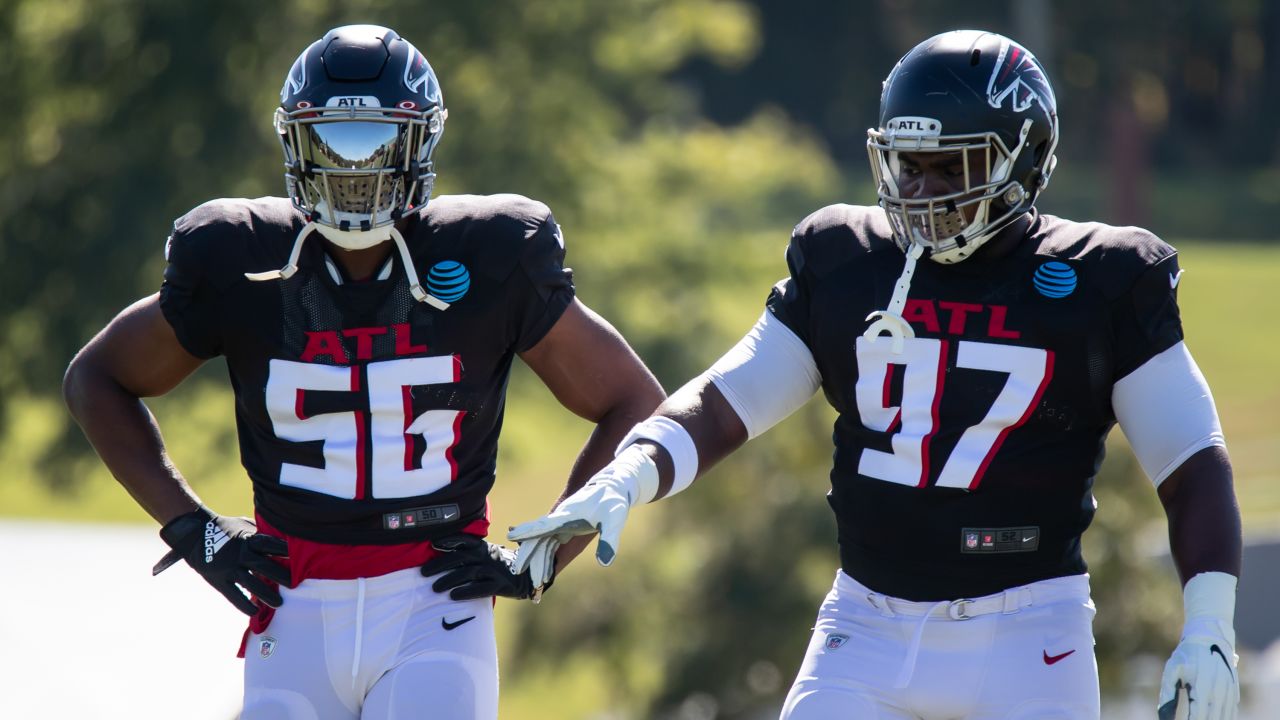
{"points": [[985, 100], [360, 114]]}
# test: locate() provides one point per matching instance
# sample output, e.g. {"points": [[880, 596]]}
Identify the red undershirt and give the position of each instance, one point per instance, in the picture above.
{"points": [[310, 560]]}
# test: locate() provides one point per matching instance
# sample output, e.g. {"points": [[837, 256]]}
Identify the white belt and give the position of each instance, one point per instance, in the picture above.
{"points": [[1007, 602]]}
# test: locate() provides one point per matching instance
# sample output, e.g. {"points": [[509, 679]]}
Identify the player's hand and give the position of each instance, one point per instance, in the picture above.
{"points": [[474, 568], [600, 506], [597, 507], [1205, 663], [229, 553]]}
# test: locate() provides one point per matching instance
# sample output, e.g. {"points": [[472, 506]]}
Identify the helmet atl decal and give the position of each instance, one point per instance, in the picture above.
{"points": [[1017, 75]]}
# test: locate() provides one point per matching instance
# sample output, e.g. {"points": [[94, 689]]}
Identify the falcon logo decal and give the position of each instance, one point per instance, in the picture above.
{"points": [[1018, 77], [417, 73], [297, 78]]}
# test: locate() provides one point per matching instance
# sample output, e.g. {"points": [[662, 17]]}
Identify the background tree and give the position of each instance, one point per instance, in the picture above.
{"points": [[677, 141]]}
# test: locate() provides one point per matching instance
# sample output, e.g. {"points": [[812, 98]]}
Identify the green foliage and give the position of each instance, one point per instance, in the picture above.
{"points": [[124, 113]]}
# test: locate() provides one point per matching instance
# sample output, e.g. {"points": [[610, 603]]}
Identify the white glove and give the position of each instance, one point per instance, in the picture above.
{"points": [[599, 506], [1205, 660]]}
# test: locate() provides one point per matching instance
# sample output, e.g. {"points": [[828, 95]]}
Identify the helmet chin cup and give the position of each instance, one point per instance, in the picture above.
{"points": [[355, 239]]}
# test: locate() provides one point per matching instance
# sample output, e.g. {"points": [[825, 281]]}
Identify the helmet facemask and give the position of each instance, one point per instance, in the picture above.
{"points": [[356, 170], [953, 225]]}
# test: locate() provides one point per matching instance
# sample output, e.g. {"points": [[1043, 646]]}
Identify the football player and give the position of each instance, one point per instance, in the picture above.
{"points": [[369, 332], [977, 352]]}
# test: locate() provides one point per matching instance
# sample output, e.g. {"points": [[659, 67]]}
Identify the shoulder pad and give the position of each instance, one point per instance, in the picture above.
{"points": [[230, 236], [492, 232], [1115, 255], [837, 234], [504, 211]]}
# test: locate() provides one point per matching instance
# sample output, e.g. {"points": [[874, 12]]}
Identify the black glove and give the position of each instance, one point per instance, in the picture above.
{"points": [[227, 551], [474, 568]]}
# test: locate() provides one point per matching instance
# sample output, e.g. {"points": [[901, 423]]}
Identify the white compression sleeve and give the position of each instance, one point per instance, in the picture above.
{"points": [[1166, 411], [767, 376]]}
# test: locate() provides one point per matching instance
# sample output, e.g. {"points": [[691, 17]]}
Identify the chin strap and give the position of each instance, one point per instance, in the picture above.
{"points": [[290, 268], [890, 319], [414, 286]]}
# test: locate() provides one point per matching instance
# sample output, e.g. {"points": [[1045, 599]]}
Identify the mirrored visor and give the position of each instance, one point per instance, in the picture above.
{"points": [[352, 145]]}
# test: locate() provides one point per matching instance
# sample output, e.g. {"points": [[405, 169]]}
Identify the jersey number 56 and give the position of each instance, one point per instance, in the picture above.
{"points": [[381, 443]]}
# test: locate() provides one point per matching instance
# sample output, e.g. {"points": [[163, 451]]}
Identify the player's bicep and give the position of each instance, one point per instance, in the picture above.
{"points": [[139, 351], [589, 367], [1166, 411], [767, 376]]}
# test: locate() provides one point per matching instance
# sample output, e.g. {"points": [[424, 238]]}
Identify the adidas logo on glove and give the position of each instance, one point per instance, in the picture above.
{"points": [[214, 539]]}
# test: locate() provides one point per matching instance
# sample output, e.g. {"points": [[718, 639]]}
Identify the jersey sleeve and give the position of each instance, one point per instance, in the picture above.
{"points": [[1146, 320], [789, 299], [545, 284], [187, 296]]}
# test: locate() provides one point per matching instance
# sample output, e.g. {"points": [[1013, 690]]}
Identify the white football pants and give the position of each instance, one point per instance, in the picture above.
{"points": [[1024, 654], [373, 648]]}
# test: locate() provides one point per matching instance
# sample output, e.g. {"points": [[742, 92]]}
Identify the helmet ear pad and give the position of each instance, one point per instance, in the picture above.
{"points": [[958, 90]]}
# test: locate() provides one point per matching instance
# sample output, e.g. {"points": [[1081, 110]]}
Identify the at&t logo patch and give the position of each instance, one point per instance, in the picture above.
{"points": [[448, 280], [1054, 279]]}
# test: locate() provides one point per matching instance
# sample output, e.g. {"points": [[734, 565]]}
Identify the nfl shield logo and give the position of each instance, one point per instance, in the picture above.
{"points": [[971, 540], [266, 646], [835, 641], [393, 522]]}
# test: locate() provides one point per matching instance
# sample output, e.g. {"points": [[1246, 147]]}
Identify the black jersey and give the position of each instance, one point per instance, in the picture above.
{"points": [[365, 416], [964, 465]]}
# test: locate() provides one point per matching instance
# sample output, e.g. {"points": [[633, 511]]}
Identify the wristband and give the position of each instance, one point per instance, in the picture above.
{"points": [[673, 438], [638, 473], [1210, 596]]}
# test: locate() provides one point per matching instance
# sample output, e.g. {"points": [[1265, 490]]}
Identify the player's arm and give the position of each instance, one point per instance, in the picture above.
{"points": [[590, 370], [1167, 412], [1204, 538], [1204, 518], [763, 379], [138, 355], [594, 373]]}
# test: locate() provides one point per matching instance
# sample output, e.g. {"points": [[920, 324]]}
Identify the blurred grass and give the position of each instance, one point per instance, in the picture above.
{"points": [[1229, 310]]}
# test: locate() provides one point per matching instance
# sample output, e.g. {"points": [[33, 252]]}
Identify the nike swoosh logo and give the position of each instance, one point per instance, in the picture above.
{"points": [[451, 625], [1175, 279], [1051, 659], [1216, 649], [1029, 539]]}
